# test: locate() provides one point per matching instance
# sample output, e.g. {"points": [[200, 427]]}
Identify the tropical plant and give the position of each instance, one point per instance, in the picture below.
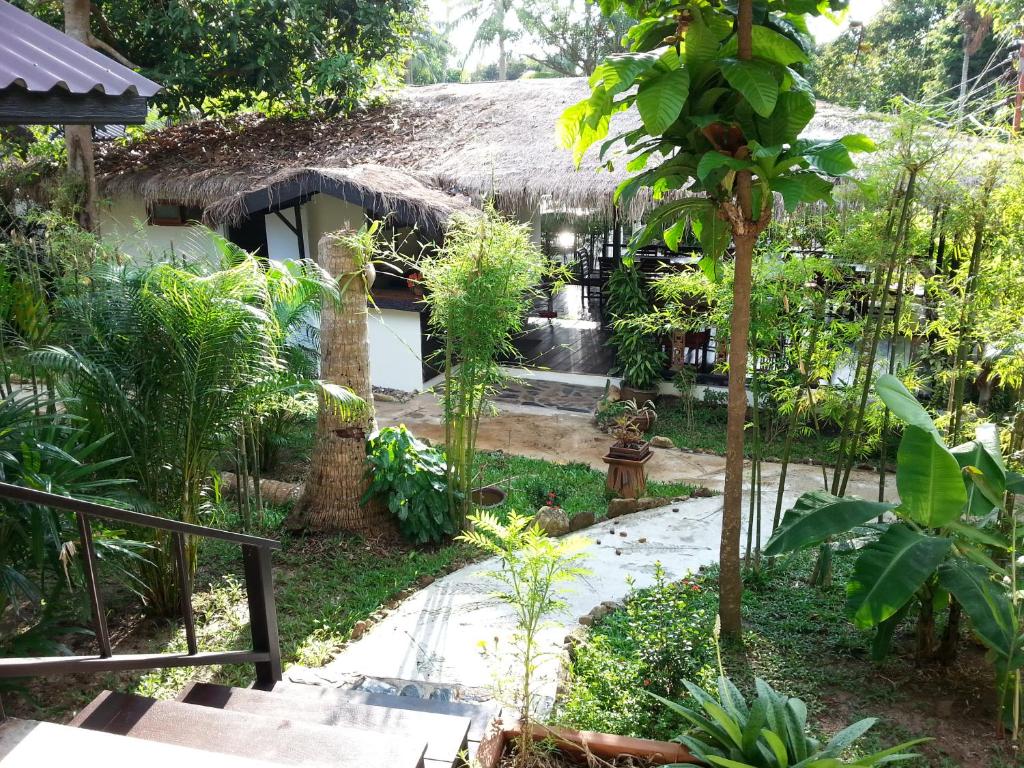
{"points": [[479, 287], [535, 571], [172, 364], [722, 104], [638, 353], [409, 477], [770, 732], [941, 540]]}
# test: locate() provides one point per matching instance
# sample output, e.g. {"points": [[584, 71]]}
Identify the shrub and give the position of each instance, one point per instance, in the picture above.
{"points": [[411, 478], [662, 636]]}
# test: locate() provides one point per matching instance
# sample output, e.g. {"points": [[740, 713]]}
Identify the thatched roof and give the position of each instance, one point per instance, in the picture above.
{"points": [[472, 139]]}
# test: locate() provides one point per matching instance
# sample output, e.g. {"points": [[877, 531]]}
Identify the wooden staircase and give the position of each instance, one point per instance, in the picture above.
{"points": [[213, 725]]}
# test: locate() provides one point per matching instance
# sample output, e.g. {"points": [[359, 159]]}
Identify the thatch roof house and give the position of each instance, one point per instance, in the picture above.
{"points": [[465, 139]]}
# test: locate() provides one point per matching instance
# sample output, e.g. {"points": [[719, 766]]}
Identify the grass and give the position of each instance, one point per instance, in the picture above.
{"points": [[577, 487], [704, 432], [800, 641]]}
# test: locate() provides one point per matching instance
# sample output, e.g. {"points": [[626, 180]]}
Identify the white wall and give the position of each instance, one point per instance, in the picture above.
{"points": [[123, 223], [395, 350], [281, 241]]}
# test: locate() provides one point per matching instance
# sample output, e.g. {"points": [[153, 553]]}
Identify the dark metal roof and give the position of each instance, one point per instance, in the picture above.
{"points": [[39, 58]]}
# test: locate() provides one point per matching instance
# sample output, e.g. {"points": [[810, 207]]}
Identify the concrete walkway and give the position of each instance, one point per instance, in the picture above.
{"points": [[454, 632], [560, 436]]}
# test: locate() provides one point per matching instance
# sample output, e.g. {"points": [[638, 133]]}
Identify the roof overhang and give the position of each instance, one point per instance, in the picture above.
{"points": [[59, 107]]}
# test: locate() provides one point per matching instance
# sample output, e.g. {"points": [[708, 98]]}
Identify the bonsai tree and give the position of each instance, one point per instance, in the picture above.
{"points": [[722, 102]]}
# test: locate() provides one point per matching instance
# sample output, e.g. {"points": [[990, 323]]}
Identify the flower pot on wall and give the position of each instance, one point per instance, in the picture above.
{"points": [[628, 392]]}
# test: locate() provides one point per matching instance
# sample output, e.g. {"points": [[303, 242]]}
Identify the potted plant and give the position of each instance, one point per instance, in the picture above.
{"points": [[627, 477], [640, 359], [643, 417]]}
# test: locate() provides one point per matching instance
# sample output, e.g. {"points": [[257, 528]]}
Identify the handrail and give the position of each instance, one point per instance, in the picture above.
{"points": [[259, 582], [106, 512]]}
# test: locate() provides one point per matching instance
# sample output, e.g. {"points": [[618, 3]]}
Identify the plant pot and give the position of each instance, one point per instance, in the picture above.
{"points": [[627, 478], [627, 392], [619, 451], [488, 497], [644, 419], [575, 745]]}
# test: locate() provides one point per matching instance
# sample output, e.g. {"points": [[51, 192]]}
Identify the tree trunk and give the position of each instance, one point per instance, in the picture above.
{"points": [[78, 138], [337, 475]]}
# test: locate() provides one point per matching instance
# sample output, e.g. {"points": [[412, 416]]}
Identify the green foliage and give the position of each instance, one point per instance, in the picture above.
{"points": [[535, 572], [409, 477], [769, 732], [479, 286], [662, 636], [935, 543], [712, 114], [301, 56], [173, 364], [638, 353], [574, 36]]}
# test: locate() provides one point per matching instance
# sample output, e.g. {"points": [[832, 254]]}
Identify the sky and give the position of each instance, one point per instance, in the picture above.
{"points": [[823, 29]]}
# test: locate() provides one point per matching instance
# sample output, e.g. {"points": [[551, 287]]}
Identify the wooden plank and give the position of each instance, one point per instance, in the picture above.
{"points": [[480, 715], [30, 744], [245, 735], [61, 665], [445, 735]]}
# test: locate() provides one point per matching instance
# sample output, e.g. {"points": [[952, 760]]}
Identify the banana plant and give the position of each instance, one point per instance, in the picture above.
{"points": [[770, 732], [941, 540]]}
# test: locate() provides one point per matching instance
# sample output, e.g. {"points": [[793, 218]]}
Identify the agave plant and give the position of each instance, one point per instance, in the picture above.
{"points": [[770, 732]]}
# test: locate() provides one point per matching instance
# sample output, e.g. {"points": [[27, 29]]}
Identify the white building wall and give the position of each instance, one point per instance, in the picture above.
{"points": [[395, 350], [123, 224], [281, 241]]}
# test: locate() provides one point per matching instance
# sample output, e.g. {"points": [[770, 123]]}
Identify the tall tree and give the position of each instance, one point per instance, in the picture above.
{"points": [[78, 138], [224, 55], [722, 103], [491, 24], [337, 474], [975, 27], [573, 36]]}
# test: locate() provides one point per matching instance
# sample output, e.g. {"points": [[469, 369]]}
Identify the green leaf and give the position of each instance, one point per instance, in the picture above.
{"points": [[619, 71], [928, 478], [882, 641], [974, 534], [754, 82], [816, 516], [984, 493], [858, 142], [985, 601], [773, 46], [802, 187], [713, 233], [890, 571], [660, 99], [713, 160], [832, 158], [850, 734], [777, 747], [903, 405], [793, 111], [703, 37]]}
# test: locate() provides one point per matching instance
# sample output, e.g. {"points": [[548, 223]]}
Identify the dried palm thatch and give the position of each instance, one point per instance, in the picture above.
{"points": [[474, 139]]}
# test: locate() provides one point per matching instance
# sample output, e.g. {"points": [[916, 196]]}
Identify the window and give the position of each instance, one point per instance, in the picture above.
{"points": [[165, 213]]}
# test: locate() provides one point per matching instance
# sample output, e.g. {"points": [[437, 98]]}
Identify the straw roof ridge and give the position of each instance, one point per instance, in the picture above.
{"points": [[473, 139]]}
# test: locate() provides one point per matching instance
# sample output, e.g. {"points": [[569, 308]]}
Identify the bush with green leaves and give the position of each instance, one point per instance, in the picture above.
{"points": [[770, 732], [661, 636], [411, 479], [942, 545]]}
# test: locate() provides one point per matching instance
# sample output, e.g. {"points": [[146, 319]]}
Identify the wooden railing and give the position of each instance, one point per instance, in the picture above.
{"points": [[266, 652]]}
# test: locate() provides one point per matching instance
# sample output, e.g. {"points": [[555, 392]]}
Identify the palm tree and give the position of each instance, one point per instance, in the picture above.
{"points": [[490, 18], [337, 475]]}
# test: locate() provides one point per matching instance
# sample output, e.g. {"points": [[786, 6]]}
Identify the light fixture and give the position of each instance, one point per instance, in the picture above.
{"points": [[566, 240]]}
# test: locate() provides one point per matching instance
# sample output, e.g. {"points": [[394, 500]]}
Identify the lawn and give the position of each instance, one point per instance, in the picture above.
{"points": [[800, 641], [577, 487]]}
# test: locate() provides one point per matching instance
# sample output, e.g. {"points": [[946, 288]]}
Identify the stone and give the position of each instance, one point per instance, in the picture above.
{"points": [[642, 540], [411, 691], [618, 551], [441, 694], [600, 612], [582, 520], [619, 507], [377, 686], [660, 441], [623, 534], [384, 397], [359, 629], [702, 493], [614, 393], [552, 520], [586, 621]]}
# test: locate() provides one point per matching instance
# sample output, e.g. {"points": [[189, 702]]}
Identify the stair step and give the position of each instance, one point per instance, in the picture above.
{"points": [[31, 744], [235, 733], [480, 715], [445, 735]]}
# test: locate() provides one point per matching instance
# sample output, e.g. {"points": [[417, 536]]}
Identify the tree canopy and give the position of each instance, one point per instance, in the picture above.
{"points": [[218, 56]]}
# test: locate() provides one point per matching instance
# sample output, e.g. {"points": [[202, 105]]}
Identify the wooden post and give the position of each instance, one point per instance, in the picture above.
{"points": [[259, 586]]}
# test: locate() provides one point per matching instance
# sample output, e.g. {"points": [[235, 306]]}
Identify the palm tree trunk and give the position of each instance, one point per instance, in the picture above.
{"points": [[337, 481]]}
